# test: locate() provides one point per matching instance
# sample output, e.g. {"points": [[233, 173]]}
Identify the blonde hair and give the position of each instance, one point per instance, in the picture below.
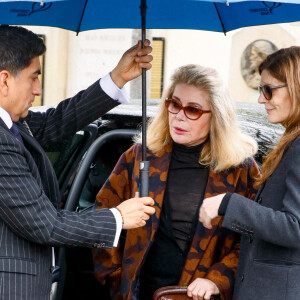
{"points": [[284, 66], [227, 146]]}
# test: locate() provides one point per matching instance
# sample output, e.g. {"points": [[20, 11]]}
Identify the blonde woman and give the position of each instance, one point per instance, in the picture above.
{"points": [[269, 265], [196, 150]]}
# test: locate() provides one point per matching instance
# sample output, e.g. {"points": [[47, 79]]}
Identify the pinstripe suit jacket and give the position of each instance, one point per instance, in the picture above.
{"points": [[29, 196]]}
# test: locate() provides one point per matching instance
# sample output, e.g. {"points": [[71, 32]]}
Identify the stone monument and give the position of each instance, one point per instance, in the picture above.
{"points": [[252, 57]]}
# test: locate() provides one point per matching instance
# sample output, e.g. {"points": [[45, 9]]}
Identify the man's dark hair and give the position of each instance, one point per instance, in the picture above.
{"points": [[18, 46]]}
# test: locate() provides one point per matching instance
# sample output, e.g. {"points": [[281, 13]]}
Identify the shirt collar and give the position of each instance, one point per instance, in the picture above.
{"points": [[4, 115]]}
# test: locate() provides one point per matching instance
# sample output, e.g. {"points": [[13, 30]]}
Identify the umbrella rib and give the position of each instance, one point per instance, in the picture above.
{"points": [[79, 25], [220, 18]]}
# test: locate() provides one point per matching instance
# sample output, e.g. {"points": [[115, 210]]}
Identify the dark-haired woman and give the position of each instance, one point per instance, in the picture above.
{"points": [[269, 264]]}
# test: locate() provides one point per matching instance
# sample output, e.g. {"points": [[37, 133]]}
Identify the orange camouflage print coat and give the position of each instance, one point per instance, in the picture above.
{"points": [[213, 253]]}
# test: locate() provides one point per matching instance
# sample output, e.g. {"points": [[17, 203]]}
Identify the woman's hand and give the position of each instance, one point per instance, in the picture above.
{"points": [[201, 289], [209, 210]]}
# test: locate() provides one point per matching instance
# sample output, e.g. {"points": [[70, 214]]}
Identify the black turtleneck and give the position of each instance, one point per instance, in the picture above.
{"points": [[184, 193], [185, 190]]}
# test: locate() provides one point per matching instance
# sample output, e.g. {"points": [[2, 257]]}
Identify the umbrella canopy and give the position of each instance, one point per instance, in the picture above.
{"points": [[81, 15]]}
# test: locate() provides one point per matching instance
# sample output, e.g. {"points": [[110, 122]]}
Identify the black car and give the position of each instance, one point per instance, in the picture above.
{"points": [[85, 163]]}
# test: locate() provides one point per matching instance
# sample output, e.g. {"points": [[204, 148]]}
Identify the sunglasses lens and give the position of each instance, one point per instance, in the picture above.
{"points": [[193, 113], [266, 90], [173, 106]]}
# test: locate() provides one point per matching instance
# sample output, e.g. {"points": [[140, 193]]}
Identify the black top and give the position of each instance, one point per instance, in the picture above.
{"points": [[185, 188]]}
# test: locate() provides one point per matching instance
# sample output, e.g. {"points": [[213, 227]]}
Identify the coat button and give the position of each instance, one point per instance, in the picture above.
{"points": [[242, 277]]}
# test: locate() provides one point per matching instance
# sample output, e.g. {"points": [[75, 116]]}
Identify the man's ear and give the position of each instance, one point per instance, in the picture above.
{"points": [[4, 76]]}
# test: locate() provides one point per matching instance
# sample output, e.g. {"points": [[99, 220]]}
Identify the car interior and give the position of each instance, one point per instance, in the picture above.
{"points": [[82, 166]]}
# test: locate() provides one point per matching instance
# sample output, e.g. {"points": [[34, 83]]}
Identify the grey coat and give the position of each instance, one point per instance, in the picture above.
{"points": [[29, 193], [269, 263]]}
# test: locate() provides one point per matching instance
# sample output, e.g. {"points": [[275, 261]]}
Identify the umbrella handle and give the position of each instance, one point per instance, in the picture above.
{"points": [[144, 179]]}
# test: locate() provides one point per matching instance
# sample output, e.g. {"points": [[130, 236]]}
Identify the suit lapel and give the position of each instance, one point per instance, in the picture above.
{"points": [[33, 152], [27, 152], [24, 133], [2, 123], [38, 158], [33, 146], [27, 136]]}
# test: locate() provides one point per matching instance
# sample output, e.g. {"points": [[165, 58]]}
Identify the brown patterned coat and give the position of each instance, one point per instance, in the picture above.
{"points": [[213, 253]]}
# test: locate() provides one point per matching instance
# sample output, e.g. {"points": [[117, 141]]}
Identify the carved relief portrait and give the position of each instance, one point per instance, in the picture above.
{"points": [[251, 58]]}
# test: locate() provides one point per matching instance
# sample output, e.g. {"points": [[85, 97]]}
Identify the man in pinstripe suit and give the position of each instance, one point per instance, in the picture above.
{"points": [[30, 219]]}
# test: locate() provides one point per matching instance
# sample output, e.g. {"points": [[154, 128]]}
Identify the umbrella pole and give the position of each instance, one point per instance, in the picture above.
{"points": [[144, 164]]}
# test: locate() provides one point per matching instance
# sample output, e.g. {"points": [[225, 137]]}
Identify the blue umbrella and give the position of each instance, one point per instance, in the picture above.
{"points": [[82, 15]]}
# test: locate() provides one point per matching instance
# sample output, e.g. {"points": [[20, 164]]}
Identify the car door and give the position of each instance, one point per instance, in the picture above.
{"points": [[82, 167]]}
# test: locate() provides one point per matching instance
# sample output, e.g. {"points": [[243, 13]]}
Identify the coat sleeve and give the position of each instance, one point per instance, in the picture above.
{"points": [[69, 116], [223, 272], [242, 215], [116, 189], [26, 210]]}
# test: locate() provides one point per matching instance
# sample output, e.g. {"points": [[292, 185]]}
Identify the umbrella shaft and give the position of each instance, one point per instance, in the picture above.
{"points": [[143, 8], [144, 114], [144, 164]]}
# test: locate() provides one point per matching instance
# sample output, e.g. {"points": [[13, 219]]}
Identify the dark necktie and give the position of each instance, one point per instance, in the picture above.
{"points": [[15, 131]]}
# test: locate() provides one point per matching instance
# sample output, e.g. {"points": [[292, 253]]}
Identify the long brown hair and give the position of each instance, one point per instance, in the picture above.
{"points": [[284, 65]]}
